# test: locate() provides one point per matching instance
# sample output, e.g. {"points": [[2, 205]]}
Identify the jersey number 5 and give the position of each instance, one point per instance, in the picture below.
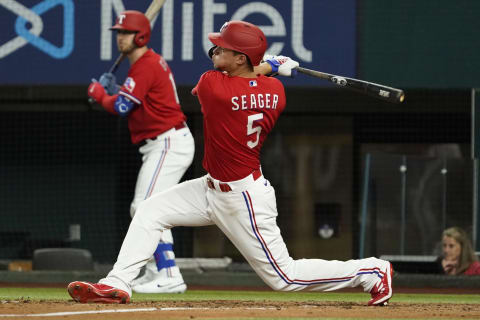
{"points": [[251, 129]]}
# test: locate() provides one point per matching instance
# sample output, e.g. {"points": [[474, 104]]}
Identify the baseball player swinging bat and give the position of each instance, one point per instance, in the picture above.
{"points": [[369, 88]]}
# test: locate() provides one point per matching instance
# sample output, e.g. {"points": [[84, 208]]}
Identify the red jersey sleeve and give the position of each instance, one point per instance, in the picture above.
{"points": [[204, 82], [137, 84], [205, 85]]}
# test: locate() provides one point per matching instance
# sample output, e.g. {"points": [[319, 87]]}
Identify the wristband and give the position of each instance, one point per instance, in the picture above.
{"points": [[274, 64]]}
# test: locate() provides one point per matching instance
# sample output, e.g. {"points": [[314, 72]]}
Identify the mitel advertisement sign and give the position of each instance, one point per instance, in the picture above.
{"points": [[69, 41]]}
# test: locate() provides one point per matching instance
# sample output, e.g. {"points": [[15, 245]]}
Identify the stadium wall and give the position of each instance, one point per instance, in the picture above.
{"points": [[63, 163]]}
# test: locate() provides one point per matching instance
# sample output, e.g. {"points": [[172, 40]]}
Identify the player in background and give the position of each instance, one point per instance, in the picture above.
{"points": [[148, 98], [240, 107]]}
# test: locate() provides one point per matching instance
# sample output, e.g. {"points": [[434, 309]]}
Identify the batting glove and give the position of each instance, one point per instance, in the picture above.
{"points": [[282, 65], [109, 82], [96, 91]]}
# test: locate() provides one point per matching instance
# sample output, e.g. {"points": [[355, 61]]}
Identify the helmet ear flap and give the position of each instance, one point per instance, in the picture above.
{"points": [[139, 40], [210, 52]]}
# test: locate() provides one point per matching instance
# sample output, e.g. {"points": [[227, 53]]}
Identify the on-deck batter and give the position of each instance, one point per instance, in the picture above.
{"points": [[157, 125], [240, 107]]}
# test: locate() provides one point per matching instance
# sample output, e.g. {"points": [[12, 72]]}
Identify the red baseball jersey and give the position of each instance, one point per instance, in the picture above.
{"points": [[238, 114], [151, 86]]}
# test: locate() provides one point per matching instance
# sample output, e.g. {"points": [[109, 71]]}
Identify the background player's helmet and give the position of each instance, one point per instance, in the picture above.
{"points": [[132, 20], [243, 37]]}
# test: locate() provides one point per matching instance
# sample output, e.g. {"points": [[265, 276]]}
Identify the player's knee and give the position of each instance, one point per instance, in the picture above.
{"points": [[139, 209], [139, 213], [146, 215]]}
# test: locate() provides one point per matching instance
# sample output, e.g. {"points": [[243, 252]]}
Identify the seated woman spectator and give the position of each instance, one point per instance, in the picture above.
{"points": [[458, 255]]}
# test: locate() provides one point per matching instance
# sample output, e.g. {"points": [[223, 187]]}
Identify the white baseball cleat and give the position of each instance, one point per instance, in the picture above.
{"points": [[162, 285]]}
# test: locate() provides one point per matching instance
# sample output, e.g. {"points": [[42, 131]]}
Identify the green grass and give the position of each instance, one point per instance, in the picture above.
{"points": [[60, 294]]}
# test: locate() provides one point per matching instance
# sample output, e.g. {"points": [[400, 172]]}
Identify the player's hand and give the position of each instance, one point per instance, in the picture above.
{"points": [[109, 82], [96, 91], [282, 65]]}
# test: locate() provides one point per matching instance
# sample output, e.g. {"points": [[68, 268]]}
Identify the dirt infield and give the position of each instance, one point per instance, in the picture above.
{"points": [[237, 309], [203, 309]]}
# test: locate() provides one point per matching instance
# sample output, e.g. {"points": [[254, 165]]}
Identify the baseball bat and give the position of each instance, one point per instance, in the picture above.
{"points": [[369, 88], [151, 13]]}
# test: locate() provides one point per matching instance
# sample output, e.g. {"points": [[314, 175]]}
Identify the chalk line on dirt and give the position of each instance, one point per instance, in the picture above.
{"points": [[73, 313]]}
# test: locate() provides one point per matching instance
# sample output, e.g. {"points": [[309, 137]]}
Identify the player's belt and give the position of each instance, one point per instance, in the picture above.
{"points": [[227, 187], [224, 187], [179, 126]]}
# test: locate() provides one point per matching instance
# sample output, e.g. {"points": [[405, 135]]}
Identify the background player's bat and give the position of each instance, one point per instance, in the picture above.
{"points": [[151, 12], [369, 88]]}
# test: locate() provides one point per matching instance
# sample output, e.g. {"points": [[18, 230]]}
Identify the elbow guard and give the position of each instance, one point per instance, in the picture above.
{"points": [[123, 105]]}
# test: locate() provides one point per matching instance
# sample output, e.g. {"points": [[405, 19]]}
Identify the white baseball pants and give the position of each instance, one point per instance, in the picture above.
{"points": [[165, 160], [247, 216]]}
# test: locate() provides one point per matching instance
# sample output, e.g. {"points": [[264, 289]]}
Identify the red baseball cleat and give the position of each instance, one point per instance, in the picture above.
{"points": [[382, 291], [85, 292]]}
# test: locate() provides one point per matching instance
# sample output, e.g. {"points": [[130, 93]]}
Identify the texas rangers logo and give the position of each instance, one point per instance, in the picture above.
{"points": [[121, 18], [129, 84]]}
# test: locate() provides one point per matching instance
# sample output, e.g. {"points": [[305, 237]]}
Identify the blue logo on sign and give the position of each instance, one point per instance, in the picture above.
{"points": [[42, 44]]}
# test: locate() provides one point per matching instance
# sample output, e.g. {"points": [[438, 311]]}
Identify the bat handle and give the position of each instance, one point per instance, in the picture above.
{"points": [[314, 73], [117, 62]]}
